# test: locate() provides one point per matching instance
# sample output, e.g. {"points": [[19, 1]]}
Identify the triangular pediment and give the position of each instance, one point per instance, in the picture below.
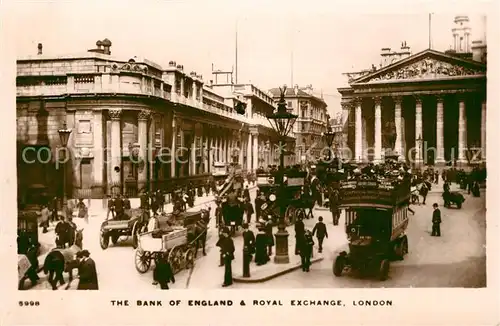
{"points": [[426, 65]]}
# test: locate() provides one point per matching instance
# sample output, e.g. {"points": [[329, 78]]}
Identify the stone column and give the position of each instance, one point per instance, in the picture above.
{"points": [[192, 167], [240, 159], [116, 153], [483, 130], [182, 86], [378, 130], [358, 137], [462, 131], [98, 166], [255, 154], [345, 116], [398, 146], [211, 151], [440, 130], [249, 152], [142, 131], [150, 161], [173, 150], [418, 130], [181, 153], [206, 152]]}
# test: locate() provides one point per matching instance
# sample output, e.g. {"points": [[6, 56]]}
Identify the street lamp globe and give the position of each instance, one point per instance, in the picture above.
{"points": [[282, 121]]}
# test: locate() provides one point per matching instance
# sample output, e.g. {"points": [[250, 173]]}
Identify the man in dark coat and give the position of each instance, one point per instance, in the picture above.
{"points": [[299, 234], [321, 232], [144, 200], [119, 210], [306, 249], [261, 256], [54, 206], [424, 190], [160, 200], [226, 245], [87, 272], [436, 221], [163, 273], [111, 208], [259, 200], [248, 241]]}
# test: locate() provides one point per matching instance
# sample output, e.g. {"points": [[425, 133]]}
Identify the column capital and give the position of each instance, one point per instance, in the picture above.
{"points": [[115, 114], [398, 99], [461, 95], [378, 100], [440, 98], [144, 115], [346, 105], [357, 101], [418, 99]]}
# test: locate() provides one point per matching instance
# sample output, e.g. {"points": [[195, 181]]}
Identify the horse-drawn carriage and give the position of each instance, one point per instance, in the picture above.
{"points": [[289, 193], [376, 221], [27, 243], [453, 198], [128, 225], [177, 236]]}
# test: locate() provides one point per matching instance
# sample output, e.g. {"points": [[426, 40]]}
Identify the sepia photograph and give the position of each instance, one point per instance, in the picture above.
{"points": [[176, 145]]}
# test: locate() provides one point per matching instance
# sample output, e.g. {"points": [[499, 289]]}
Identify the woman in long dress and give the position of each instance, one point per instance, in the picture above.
{"points": [[261, 244]]}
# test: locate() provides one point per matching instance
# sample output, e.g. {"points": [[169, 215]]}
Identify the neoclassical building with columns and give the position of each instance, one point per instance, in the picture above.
{"points": [[135, 125], [428, 108]]}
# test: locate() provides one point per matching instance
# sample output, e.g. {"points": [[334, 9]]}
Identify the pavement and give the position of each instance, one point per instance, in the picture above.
{"points": [[457, 259]]}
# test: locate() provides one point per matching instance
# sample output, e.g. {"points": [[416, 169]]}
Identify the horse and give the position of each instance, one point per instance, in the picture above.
{"points": [[63, 260], [201, 230]]}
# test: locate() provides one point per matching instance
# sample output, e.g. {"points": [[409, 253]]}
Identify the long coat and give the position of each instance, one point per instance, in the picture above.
{"points": [[88, 275]]}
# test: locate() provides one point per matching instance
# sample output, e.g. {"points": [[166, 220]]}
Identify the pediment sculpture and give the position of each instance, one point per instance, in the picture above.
{"points": [[427, 68], [130, 66]]}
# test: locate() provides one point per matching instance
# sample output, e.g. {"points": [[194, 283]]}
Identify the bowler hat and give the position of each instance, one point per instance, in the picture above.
{"points": [[85, 253]]}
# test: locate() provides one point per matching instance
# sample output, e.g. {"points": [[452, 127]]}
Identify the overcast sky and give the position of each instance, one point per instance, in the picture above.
{"points": [[327, 38]]}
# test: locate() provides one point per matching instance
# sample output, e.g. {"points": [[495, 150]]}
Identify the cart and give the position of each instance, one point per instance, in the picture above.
{"points": [[177, 241], [131, 225], [376, 221]]}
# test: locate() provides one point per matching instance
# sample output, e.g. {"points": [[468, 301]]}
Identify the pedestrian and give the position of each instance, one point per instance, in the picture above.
{"points": [[54, 208], [248, 207], [163, 273], [270, 238], [248, 241], [259, 200], [126, 204], [227, 248], [160, 200], [261, 254], [306, 250], [111, 208], [144, 200], [82, 210], [299, 234], [44, 218], [321, 232], [436, 221], [87, 272], [424, 190]]}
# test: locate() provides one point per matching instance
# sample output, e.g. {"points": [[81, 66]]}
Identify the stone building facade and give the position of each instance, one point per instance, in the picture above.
{"points": [[311, 122], [135, 125], [428, 108]]}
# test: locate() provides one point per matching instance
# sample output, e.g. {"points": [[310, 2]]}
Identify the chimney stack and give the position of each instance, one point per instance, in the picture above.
{"points": [[40, 48], [106, 44], [405, 50]]}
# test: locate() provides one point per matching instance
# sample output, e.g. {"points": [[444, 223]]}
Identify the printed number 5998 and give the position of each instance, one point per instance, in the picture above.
{"points": [[29, 303]]}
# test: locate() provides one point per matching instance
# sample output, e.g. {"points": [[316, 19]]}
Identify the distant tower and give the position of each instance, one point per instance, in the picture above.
{"points": [[461, 35]]}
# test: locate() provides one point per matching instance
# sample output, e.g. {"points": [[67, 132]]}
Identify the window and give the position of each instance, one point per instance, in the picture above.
{"points": [[289, 104], [84, 127], [86, 174]]}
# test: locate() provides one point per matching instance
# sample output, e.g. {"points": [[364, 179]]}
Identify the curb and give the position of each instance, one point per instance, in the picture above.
{"points": [[277, 274]]}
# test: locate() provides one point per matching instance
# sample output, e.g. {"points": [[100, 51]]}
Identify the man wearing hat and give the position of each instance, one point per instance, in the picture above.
{"points": [[321, 232], [226, 245], [163, 273], [299, 234], [248, 242], [436, 221], [87, 272], [261, 242]]}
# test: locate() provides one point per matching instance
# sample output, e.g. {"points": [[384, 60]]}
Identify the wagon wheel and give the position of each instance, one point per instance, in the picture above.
{"points": [[104, 240], [189, 258], [142, 261], [290, 215], [175, 258]]}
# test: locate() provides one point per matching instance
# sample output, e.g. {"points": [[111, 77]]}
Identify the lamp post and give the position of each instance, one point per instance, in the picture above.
{"points": [[420, 151], [64, 134], [282, 122], [329, 136]]}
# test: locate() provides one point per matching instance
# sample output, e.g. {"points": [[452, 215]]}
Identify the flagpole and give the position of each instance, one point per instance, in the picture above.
{"points": [[236, 55], [430, 30]]}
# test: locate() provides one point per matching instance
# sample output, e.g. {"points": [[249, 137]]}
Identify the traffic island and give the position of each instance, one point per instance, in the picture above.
{"points": [[260, 274]]}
